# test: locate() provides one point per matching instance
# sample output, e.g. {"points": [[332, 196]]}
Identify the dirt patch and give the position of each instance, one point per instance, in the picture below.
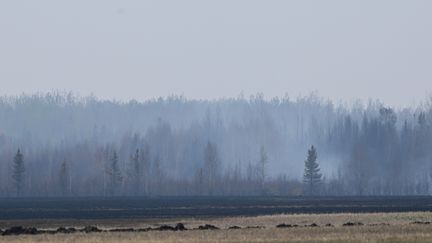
{"points": [[353, 224], [207, 227]]}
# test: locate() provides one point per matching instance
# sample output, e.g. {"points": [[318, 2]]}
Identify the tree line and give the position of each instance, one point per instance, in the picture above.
{"points": [[62, 145], [135, 181]]}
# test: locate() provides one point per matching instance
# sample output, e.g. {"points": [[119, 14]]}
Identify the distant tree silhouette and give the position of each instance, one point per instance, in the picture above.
{"points": [[311, 177], [262, 168], [211, 165], [135, 172], [18, 172], [114, 174]]}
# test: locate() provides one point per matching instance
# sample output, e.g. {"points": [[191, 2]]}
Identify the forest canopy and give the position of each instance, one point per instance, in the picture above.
{"points": [[82, 146]]}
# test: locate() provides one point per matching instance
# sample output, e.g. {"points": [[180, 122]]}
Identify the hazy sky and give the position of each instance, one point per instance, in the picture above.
{"points": [[208, 49]]}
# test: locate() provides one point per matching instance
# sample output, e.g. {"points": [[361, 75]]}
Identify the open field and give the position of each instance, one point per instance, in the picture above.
{"points": [[391, 219], [376, 227]]}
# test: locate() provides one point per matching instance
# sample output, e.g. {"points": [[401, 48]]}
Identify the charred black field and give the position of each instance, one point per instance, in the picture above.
{"points": [[200, 207], [215, 219]]}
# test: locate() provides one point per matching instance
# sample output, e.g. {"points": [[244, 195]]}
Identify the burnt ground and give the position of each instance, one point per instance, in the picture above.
{"points": [[183, 207]]}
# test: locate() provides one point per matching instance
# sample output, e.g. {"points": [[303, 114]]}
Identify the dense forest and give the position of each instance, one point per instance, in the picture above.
{"points": [[61, 144]]}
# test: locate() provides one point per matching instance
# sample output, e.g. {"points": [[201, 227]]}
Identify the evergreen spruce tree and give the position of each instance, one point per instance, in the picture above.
{"points": [[262, 169], [114, 173], [211, 165], [137, 171], [311, 177], [18, 172]]}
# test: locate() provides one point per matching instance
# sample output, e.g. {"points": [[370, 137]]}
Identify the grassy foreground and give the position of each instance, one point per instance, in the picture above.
{"points": [[376, 227]]}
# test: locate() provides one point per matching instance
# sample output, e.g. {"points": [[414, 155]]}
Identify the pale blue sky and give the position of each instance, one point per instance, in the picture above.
{"points": [[209, 49]]}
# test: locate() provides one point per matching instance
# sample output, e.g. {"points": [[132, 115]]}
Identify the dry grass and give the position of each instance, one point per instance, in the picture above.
{"points": [[375, 229]]}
